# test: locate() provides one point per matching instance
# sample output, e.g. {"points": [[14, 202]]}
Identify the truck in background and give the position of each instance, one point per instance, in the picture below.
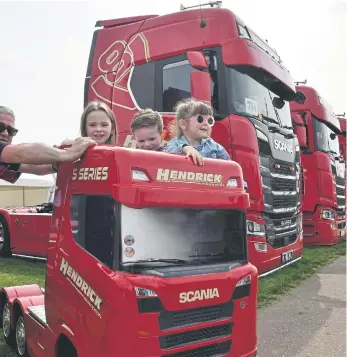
{"points": [[342, 136], [176, 283], [24, 231], [323, 179], [133, 64]]}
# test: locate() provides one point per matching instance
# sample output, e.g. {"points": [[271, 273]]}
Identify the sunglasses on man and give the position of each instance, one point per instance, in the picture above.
{"points": [[11, 131]]}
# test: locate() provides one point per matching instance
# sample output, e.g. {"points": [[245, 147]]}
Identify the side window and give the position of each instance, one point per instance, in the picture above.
{"points": [[93, 225], [176, 83], [142, 85]]}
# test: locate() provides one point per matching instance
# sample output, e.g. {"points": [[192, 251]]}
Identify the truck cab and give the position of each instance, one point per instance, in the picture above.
{"points": [[147, 256], [149, 61], [342, 136], [323, 184]]}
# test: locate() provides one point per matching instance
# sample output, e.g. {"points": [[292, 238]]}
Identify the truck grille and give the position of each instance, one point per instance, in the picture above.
{"points": [[285, 201], [341, 212], [282, 184], [340, 191], [173, 319], [340, 181], [264, 148], [204, 334], [285, 168], [340, 201], [280, 242], [215, 350], [283, 231]]}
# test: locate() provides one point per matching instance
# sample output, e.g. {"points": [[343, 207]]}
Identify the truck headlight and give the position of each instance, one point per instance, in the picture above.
{"points": [[141, 292], [255, 229], [327, 214]]}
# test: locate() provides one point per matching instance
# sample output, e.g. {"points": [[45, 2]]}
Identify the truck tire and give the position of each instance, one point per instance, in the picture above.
{"points": [[21, 340], [7, 330], [5, 245]]}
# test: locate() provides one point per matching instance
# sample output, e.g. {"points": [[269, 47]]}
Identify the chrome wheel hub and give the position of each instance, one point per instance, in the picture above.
{"points": [[20, 336], [6, 320]]}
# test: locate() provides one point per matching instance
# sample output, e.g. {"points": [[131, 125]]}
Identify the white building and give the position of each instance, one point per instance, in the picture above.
{"points": [[29, 190]]}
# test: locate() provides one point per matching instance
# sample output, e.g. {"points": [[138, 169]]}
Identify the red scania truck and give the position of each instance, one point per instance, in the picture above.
{"points": [[342, 136], [323, 184], [154, 61], [147, 257]]}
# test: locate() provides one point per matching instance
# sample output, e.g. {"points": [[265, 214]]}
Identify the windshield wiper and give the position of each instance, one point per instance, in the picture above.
{"points": [[152, 260], [276, 112], [207, 255]]}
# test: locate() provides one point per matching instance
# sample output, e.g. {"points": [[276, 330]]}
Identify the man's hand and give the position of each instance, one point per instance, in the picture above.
{"points": [[77, 149]]}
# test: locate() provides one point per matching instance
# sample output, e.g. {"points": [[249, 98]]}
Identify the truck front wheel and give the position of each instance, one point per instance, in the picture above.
{"points": [[5, 246], [6, 324], [21, 341]]}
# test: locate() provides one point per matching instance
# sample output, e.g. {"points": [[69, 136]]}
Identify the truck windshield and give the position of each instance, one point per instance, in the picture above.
{"points": [[248, 96], [181, 236], [322, 139]]}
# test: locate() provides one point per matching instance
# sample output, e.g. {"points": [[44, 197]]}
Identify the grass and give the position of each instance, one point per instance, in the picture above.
{"points": [[282, 282], [18, 272]]}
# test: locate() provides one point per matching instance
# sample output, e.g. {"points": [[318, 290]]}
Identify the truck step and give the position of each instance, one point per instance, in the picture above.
{"points": [[38, 313]]}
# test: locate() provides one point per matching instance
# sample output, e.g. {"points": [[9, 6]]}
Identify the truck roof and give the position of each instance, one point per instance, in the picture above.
{"points": [[316, 104], [141, 178]]}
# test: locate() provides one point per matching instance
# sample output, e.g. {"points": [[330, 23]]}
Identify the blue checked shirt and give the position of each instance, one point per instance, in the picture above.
{"points": [[207, 148]]}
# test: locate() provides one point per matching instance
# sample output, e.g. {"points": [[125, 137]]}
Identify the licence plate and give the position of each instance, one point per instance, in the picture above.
{"points": [[287, 256]]}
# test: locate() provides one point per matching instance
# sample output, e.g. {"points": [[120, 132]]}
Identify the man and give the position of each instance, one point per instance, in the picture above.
{"points": [[34, 158]]}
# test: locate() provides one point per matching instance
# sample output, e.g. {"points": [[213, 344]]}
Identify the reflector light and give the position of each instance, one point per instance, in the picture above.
{"points": [[139, 175]]}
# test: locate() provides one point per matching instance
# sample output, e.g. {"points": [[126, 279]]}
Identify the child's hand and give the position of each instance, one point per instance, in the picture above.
{"points": [[194, 154]]}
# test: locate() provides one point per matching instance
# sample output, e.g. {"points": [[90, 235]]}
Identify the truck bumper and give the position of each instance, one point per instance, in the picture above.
{"points": [[273, 259], [321, 232]]}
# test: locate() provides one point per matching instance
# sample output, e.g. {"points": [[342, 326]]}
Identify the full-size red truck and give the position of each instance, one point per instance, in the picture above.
{"points": [[342, 136], [149, 61], [324, 181], [154, 61], [147, 257]]}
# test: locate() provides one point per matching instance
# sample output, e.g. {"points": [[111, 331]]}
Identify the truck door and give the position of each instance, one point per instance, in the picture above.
{"points": [[93, 228]]}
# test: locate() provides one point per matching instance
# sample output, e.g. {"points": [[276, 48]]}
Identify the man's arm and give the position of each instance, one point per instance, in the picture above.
{"points": [[41, 154], [36, 169]]}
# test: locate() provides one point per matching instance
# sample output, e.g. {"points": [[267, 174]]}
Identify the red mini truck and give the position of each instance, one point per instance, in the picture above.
{"points": [[154, 61], [324, 181], [147, 256]]}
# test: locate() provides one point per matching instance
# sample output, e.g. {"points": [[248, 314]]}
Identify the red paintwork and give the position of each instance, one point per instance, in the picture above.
{"points": [[120, 328], [165, 36], [29, 231], [319, 188], [342, 139]]}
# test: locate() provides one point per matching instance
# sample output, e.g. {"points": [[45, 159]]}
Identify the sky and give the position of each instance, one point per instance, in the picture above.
{"points": [[44, 50]]}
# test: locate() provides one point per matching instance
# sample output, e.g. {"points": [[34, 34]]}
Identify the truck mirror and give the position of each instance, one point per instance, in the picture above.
{"points": [[278, 102], [300, 132], [197, 60], [200, 86], [299, 97], [344, 132]]}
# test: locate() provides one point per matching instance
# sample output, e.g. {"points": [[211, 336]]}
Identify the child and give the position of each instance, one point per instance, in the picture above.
{"points": [[193, 127], [147, 126]]}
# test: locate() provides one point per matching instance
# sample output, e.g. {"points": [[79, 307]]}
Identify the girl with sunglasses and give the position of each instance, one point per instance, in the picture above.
{"points": [[192, 128]]}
